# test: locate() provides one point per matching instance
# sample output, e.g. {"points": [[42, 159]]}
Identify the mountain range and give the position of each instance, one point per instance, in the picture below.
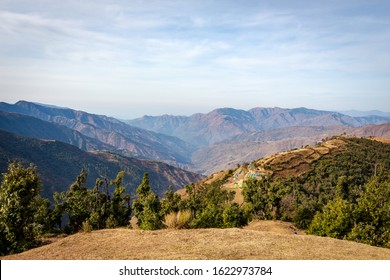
{"points": [[202, 143], [226, 137], [125, 139], [202, 130]]}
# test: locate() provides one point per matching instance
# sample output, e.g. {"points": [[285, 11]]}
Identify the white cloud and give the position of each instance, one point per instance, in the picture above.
{"points": [[55, 37], [174, 50]]}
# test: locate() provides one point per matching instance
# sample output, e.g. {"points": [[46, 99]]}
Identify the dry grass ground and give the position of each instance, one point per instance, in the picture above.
{"points": [[260, 240]]}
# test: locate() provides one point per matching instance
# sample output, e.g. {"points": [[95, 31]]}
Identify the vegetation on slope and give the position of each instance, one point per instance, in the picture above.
{"points": [[342, 191], [21, 215], [344, 194], [25, 216], [59, 163]]}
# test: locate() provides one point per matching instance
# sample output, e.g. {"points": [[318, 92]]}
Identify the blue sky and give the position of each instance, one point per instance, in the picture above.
{"points": [[131, 58]]}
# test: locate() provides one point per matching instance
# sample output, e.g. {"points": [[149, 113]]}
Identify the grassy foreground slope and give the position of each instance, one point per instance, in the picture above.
{"points": [[259, 240]]}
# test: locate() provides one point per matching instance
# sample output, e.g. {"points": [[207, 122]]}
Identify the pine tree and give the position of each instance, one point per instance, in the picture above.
{"points": [[120, 203], [76, 202], [147, 206], [21, 209], [170, 203]]}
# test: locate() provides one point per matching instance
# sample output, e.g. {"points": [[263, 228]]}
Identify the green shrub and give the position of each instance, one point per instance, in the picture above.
{"points": [[335, 221], [210, 217], [234, 216], [111, 222], [303, 217]]}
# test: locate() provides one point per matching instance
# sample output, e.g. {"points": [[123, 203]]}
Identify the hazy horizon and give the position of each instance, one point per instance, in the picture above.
{"points": [[129, 59], [353, 113]]}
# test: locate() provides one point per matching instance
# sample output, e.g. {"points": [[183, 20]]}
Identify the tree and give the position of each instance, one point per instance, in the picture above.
{"points": [[147, 206], [21, 209], [234, 216], [78, 202], [256, 193], [336, 219], [372, 214], [212, 206], [170, 202], [95, 207], [120, 203]]}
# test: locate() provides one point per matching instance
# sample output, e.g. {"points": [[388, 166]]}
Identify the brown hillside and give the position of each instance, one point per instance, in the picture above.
{"points": [[283, 165], [382, 130], [261, 240], [295, 162]]}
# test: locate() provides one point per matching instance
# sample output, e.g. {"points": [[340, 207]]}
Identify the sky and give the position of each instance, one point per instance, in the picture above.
{"points": [[133, 58]]}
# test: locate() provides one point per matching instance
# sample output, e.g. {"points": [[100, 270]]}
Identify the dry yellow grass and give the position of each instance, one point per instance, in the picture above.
{"points": [[379, 139], [260, 240]]}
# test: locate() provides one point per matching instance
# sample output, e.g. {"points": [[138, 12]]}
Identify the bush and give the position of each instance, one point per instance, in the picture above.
{"points": [[181, 219], [372, 215], [111, 222], [303, 217], [210, 217], [170, 220], [184, 219], [234, 216], [335, 221], [87, 227]]}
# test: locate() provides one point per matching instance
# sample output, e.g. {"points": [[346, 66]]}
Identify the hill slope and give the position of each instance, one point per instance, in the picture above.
{"points": [[295, 163], [203, 244], [251, 146], [133, 141], [381, 130], [59, 164], [32, 127]]}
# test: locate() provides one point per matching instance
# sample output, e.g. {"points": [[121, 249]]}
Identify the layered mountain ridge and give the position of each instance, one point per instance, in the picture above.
{"points": [[128, 140], [202, 143], [221, 124]]}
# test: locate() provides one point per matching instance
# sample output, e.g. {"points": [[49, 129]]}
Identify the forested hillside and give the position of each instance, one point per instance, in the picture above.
{"points": [[59, 163], [340, 188]]}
